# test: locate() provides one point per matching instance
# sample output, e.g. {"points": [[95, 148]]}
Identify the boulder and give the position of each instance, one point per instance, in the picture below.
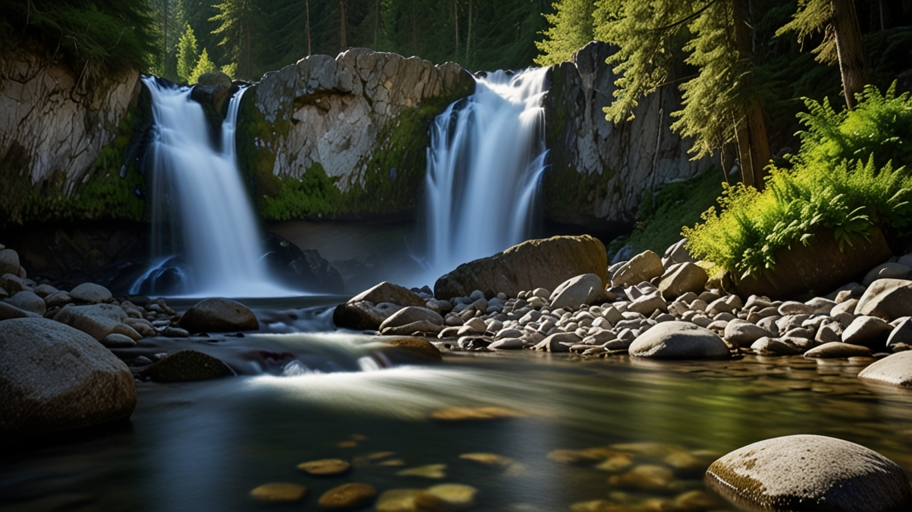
{"points": [[188, 365], [679, 340], [217, 314], [868, 331], [886, 298], [901, 334], [212, 89], [648, 303], [54, 377], [98, 320], [412, 314], [837, 350], [417, 348], [28, 301], [13, 284], [532, 264], [895, 369], [642, 267], [743, 334], [808, 472], [688, 277], [363, 315], [9, 262], [413, 328], [9, 311], [90, 293], [558, 342], [886, 271], [582, 289], [677, 253]]}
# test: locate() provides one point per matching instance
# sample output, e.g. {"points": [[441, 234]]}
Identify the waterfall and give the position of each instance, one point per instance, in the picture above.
{"points": [[485, 160], [205, 236]]}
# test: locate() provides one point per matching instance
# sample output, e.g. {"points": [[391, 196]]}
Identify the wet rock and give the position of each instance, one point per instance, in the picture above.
{"points": [[188, 365], [836, 349], [325, 467], [558, 342], [54, 377], [688, 277], [8, 311], [742, 334], [13, 284], [412, 314], [886, 298], [807, 472], [886, 271], [488, 459], [410, 500], [894, 369], [9, 262], [457, 496], [535, 263], [642, 267], [767, 345], [115, 340], [679, 340], [414, 328], [217, 314], [645, 477], [372, 307], [97, 320], [507, 344], [434, 471], [418, 348], [582, 289], [868, 331], [279, 492], [90, 293], [28, 301], [58, 299], [901, 334]]}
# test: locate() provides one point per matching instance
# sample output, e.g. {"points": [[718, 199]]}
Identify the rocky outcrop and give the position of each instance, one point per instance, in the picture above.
{"points": [[332, 137], [601, 170], [54, 122]]}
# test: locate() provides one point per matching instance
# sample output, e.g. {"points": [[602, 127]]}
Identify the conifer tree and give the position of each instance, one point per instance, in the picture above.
{"points": [[236, 20], [204, 65], [571, 27], [187, 54]]}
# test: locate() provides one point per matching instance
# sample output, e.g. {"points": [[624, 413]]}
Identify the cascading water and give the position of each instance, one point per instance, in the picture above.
{"points": [[485, 161], [205, 237]]}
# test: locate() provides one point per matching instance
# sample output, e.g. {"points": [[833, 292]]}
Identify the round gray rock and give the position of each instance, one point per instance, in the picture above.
{"points": [[90, 293], [895, 369], [582, 289], [9, 262], [54, 377], [216, 314], [886, 298], [807, 472], [679, 340], [28, 301], [837, 350]]}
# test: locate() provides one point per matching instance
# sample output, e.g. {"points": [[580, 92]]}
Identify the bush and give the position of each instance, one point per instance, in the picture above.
{"points": [[848, 177]]}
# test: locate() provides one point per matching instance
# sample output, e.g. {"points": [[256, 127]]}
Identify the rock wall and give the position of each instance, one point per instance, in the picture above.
{"points": [[599, 170], [343, 137], [54, 122]]}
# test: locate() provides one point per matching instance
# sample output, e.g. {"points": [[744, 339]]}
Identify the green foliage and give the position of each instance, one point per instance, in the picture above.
{"points": [[238, 21], [187, 54], [839, 184], [116, 33], [661, 216], [811, 18], [570, 28], [204, 65]]}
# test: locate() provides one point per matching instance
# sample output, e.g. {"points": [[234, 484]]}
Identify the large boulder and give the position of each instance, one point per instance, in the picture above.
{"points": [[54, 377], [217, 314], [807, 472], [679, 340], [886, 298], [370, 308], [642, 267], [584, 289], [895, 369], [542, 263], [90, 293]]}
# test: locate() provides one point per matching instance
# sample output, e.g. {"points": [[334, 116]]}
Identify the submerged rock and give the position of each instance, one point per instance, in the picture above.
{"points": [[54, 377], [808, 472], [370, 308], [895, 369], [188, 365], [279, 492], [216, 314], [417, 348], [351, 496]]}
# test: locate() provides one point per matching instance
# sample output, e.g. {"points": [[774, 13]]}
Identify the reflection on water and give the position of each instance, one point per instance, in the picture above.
{"points": [[204, 446]]}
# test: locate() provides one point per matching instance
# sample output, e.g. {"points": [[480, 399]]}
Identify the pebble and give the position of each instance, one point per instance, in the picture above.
{"points": [[410, 500], [325, 467], [488, 459], [279, 491], [457, 496], [348, 496], [434, 471], [645, 477]]}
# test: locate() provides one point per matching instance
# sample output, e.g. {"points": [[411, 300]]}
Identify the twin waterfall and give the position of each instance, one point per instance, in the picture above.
{"points": [[485, 160], [205, 235]]}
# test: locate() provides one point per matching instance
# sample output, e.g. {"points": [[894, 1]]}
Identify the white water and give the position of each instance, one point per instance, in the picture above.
{"points": [[204, 227], [485, 162]]}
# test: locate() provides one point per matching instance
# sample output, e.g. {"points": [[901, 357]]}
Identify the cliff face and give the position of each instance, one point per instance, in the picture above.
{"points": [[600, 170], [54, 122], [343, 137]]}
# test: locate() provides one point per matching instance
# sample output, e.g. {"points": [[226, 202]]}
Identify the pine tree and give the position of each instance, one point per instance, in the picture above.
{"points": [[236, 20], [571, 28], [203, 66], [187, 54]]}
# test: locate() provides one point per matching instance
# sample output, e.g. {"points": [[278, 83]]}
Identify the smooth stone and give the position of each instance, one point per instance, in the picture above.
{"points": [[98, 320], [410, 500], [90, 293], [217, 314], [648, 303], [174, 332], [895, 369], [642, 267], [350, 496], [58, 299], [791, 307], [9, 262], [28, 301], [418, 348], [412, 314], [45, 290], [767, 345], [687, 278], [507, 344], [886, 298], [902, 333], [679, 340], [279, 492], [457, 496], [645, 477], [188, 365], [115, 340], [142, 326], [743, 334], [325, 467], [837, 349], [886, 271], [487, 459], [8, 311], [582, 289], [434, 471], [422, 327], [54, 377], [558, 342], [370, 308], [13, 284], [809, 472], [868, 331], [676, 253]]}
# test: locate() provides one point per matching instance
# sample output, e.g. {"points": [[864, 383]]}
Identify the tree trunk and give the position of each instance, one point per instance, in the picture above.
{"points": [[753, 145], [850, 49], [307, 25], [343, 45], [456, 22]]}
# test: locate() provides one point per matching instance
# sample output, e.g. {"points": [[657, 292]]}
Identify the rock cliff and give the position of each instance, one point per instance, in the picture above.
{"points": [[601, 170], [343, 137]]}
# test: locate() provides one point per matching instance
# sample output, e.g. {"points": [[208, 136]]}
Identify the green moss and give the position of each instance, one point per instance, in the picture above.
{"points": [[661, 217]]}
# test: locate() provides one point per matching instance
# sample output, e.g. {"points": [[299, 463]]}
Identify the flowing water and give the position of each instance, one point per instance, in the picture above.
{"points": [[203, 446], [485, 160], [206, 239]]}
